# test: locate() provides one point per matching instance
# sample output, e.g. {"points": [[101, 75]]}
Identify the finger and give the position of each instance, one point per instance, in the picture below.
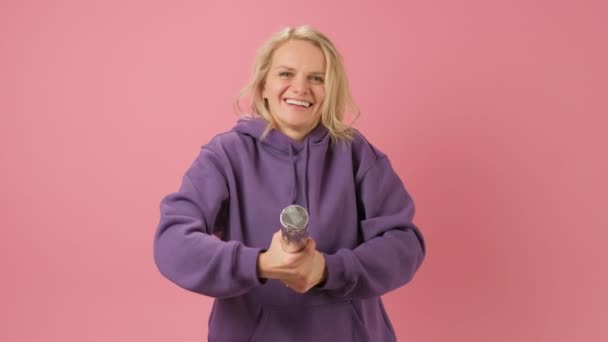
{"points": [[288, 284], [296, 288], [311, 245], [277, 239]]}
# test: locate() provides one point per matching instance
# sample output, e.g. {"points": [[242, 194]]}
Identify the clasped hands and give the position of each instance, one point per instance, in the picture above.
{"points": [[299, 271]]}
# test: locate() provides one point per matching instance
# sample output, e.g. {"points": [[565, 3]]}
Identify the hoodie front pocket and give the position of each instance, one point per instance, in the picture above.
{"points": [[260, 326], [327, 322]]}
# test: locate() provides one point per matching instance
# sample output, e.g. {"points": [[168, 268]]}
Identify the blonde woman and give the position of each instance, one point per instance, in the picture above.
{"points": [[222, 234]]}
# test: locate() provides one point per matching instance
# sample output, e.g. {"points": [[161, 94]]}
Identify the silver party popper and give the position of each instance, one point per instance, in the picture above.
{"points": [[294, 222]]}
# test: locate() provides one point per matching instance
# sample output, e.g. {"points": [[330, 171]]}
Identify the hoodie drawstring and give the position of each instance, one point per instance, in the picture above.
{"points": [[295, 175], [294, 188], [306, 154]]}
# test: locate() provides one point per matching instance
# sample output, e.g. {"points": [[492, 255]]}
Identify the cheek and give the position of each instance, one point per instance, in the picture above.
{"points": [[320, 97], [276, 92], [271, 88], [320, 92]]}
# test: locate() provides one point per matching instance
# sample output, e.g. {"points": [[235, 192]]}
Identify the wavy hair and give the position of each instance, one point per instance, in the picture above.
{"points": [[338, 99]]}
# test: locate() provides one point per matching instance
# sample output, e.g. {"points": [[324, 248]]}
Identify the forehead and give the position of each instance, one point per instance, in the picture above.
{"points": [[299, 54]]}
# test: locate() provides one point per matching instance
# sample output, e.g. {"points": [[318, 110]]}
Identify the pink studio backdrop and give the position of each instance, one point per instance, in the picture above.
{"points": [[493, 113]]}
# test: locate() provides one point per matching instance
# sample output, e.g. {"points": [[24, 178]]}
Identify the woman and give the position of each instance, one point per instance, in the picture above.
{"points": [[219, 234]]}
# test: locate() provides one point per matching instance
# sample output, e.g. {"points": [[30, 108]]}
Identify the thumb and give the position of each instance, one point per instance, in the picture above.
{"points": [[311, 246]]}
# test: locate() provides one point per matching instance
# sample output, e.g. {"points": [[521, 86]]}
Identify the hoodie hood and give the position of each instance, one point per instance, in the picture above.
{"points": [[276, 140], [285, 147]]}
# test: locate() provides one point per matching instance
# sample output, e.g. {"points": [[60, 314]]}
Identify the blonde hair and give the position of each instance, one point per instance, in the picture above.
{"points": [[338, 99]]}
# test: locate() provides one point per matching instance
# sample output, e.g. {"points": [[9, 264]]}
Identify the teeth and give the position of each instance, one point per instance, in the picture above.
{"points": [[298, 103]]}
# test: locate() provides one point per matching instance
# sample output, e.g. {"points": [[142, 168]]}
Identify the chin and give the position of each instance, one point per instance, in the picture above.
{"points": [[296, 121]]}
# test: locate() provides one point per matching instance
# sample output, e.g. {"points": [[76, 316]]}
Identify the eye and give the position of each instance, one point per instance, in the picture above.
{"points": [[317, 79], [284, 74]]}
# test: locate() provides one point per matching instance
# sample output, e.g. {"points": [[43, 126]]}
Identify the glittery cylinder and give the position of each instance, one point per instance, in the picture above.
{"points": [[294, 221]]}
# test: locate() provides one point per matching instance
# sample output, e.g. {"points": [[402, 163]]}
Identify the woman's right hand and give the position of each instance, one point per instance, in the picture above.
{"points": [[300, 271]]}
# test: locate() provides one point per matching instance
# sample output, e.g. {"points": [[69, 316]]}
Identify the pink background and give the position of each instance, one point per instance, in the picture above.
{"points": [[493, 113]]}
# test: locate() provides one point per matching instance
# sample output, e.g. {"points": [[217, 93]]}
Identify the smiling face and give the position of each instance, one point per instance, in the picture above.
{"points": [[294, 87]]}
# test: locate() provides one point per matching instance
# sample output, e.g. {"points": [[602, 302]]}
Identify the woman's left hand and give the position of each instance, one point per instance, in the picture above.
{"points": [[299, 271]]}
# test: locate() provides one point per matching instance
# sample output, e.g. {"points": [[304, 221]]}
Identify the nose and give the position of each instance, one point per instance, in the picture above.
{"points": [[299, 84]]}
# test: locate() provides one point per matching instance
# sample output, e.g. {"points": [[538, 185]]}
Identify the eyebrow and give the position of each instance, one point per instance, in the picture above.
{"points": [[292, 69]]}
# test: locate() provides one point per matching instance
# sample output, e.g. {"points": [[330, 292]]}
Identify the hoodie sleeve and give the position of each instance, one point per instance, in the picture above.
{"points": [[185, 249], [392, 248]]}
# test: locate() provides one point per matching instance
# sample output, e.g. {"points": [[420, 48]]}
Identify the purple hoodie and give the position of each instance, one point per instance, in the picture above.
{"points": [[227, 209]]}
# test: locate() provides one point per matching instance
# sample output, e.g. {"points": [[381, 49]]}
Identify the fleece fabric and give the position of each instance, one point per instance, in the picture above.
{"points": [[227, 209]]}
